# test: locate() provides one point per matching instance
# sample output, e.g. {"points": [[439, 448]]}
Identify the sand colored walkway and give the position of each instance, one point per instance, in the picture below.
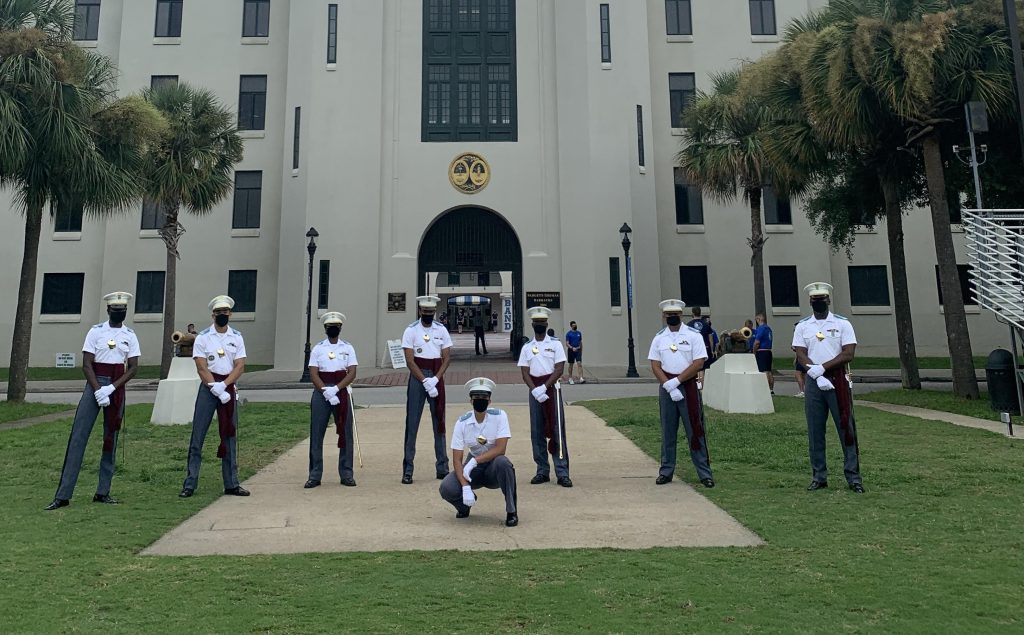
{"points": [[615, 502]]}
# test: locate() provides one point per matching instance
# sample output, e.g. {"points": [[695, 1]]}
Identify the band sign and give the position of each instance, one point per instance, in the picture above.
{"points": [[65, 360], [549, 299], [469, 173], [506, 315]]}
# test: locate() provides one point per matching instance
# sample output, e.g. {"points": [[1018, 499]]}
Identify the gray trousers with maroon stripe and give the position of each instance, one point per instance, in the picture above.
{"points": [[81, 429], [818, 404], [671, 412], [320, 413], [206, 409]]}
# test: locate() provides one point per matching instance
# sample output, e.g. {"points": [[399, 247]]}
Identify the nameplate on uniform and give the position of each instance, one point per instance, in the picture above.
{"points": [[549, 299], [397, 354], [65, 360]]}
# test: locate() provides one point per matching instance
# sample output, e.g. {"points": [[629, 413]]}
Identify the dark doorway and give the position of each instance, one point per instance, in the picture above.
{"points": [[475, 239]]}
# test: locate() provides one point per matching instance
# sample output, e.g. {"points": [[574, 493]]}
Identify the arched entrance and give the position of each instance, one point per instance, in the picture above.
{"points": [[475, 239]]}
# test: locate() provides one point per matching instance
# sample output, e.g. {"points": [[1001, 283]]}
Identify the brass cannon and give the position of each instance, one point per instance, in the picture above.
{"points": [[183, 343], [734, 341]]}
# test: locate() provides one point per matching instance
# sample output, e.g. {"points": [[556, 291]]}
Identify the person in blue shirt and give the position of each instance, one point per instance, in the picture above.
{"points": [[762, 346], [574, 341], [702, 326]]}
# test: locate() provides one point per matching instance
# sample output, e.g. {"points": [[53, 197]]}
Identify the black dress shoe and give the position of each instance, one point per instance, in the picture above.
{"points": [[237, 491], [662, 479], [407, 479], [707, 482], [565, 481], [512, 520], [348, 482], [857, 488], [104, 498], [56, 504], [310, 484], [463, 513], [540, 478], [186, 492], [816, 485], [440, 476]]}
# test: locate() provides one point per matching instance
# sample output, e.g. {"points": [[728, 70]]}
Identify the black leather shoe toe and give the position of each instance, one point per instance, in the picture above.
{"points": [[857, 488], [237, 491], [104, 498], [512, 520], [816, 485], [348, 482], [406, 479], [185, 492], [662, 479], [56, 504], [565, 481], [707, 482], [310, 484], [540, 478], [462, 514]]}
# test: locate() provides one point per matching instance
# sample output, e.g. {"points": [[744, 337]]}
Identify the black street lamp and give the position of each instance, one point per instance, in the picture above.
{"points": [[626, 231], [311, 248]]}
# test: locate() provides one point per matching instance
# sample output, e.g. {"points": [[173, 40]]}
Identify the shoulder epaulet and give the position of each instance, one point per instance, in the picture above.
{"points": [[129, 330], [694, 330], [841, 317], [205, 331], [96, 326], [661, 331], [412, 325], [493, 411], [805, 319], [235, 331], [322, 342], [344, 342], [466, 416]]}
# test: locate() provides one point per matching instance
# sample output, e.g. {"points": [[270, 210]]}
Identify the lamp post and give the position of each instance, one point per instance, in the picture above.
{"points": [[311, 248], [626, 231]]}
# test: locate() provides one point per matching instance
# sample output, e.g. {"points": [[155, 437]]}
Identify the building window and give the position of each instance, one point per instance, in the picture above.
{"points": [[640, 136], [784, 286], [964, 271], [159, 81], [762, 17], [869, 285], [248, 197], [149, 292], [242, 288], [332, 34], [689, 200], [777, 210], [168, 18], [324, 288], [297, 136], [682, 89], [87, 20], [614, 282], [469, 72], [252, 102], [678, 17], [256, 18], [67, 217], [483, 279], [693, 286], [153, 216], [62, 293], [606, 35]]}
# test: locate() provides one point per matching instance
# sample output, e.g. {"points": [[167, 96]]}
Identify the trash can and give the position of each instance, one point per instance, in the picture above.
{"points": [[1001, 377]]}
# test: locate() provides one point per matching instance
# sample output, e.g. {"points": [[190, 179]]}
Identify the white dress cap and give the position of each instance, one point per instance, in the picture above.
{"points": [[818, 288], [222, 302], [480, 384], [118, 298], [333, 317], [427, 301], [672, 306], [538, 313]]}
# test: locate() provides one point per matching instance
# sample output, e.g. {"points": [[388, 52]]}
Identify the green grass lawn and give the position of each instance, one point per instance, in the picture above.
{"points": [[934, 546], [145, 372], [16, 411], [935, 400]]}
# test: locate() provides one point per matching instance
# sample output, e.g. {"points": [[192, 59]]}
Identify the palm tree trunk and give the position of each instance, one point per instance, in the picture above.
{"points": [[911, 376], [757, 241], [965, 383], [21, 342], [170, 233]]}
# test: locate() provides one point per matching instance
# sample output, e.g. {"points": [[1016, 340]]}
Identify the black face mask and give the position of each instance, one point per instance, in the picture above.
{"points": [[674, 320], [480, 405], [427, 319], [540, 329], [221, 319], [333, 331], [819, 306], [118, 316]]}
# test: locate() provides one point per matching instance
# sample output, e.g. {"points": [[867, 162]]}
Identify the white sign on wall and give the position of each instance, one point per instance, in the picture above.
{"points": [[397, 353], [506, 315], [65, 360]]}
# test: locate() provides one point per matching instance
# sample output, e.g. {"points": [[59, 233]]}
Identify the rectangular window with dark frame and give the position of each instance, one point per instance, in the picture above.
{"points": [[252, 102], [168, 18], [693, 286], [762, 17], [242, 288], [606, 35], [777, 210], [159, 81], [782, 279], [256, 18], [332, 34], [149, 292], [678, 17], [323, 294], [689, 200], [614, 282], [483, 279], [153, 216], [964, 272], [469, 71], [454, 278], [62, 293], [67, 216], [296, 138], [248, 199], [641, 159], [869, 285], [87, 20], [682, 89]]}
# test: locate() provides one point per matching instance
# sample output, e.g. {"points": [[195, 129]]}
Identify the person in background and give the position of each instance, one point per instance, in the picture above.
{"points": [[702, 326], [574, 341], [763, 349], [478, 331], [750, 340], [191, 329]]}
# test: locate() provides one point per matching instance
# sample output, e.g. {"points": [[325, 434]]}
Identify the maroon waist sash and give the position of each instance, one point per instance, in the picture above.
{"points": [[225, 418], [434, 365], [113, 415], [332, 378], [837, 376], [693, 409], [550, 414]]}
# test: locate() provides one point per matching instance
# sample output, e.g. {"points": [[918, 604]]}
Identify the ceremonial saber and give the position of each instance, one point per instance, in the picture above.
{"points": [[558, 418], [355, 431]]}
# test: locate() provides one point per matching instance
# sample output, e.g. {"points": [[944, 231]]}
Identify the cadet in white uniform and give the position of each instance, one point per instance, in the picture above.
{"points": [[677, 356], [332, 368], [483, 434], [219, 353], [108, 348], [427, 346], [542, 361], [825, 343]]}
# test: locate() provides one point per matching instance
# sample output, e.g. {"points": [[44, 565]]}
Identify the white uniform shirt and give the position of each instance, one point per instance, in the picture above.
{"points": [[493, 427], [331, 357], [541, 356], [677, 350], [426, 342], [98, 342], [823, 339], [220, 349]]}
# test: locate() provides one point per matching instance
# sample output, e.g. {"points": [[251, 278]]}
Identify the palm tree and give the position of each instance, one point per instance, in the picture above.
{"points": [[63, 138], [190, 168]]}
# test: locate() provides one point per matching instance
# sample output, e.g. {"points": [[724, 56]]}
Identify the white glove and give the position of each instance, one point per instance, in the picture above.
{"points": [[106, 391], [334, 401], [224, 397], [676, 394], [466, 469], [218, 388], [433, 393], [539, 391], [825, 384], [815, 371], [468, 497], [671, 384], [330, 391], [103, 402], [430, 383]]}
